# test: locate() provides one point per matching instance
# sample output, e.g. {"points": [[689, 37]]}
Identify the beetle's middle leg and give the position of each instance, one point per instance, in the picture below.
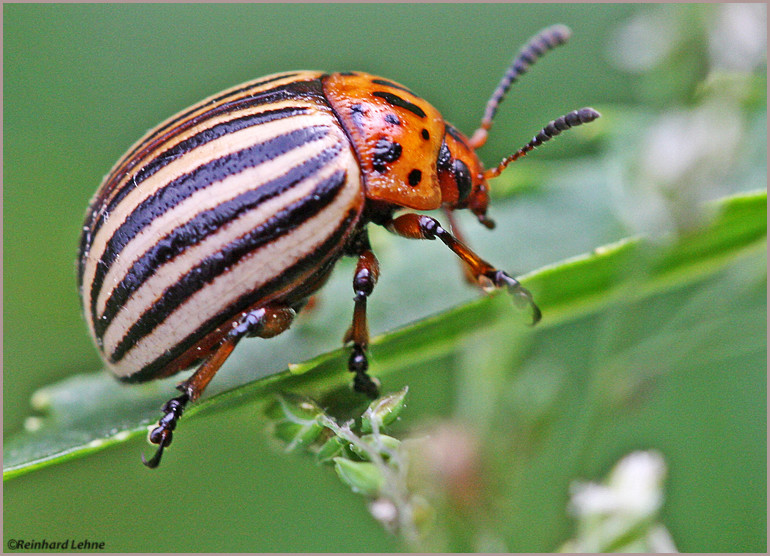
{"points": [[264, 322], [418, 226], [364, 279]]}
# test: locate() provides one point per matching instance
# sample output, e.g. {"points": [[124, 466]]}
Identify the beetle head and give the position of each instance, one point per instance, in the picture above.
{"points": [[461, 176]]}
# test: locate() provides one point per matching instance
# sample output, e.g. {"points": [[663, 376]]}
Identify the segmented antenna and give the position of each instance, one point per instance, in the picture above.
{"points": [[554, 128], [547, 39]]}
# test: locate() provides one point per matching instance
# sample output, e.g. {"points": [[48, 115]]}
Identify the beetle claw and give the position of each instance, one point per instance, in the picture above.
{"points": [[155, 461]]}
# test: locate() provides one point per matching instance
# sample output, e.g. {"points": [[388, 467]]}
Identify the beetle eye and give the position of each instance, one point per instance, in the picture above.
{"points": [[463, 179], [444, 157]]}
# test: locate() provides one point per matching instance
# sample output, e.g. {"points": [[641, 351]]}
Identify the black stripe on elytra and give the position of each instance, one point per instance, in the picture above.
{"points": [[299, 89], [183, 147], [289, 91], [197, 106], [248, 300], [218, 263], [393, 85], [176, 191], [200, 227], [396, 100]]}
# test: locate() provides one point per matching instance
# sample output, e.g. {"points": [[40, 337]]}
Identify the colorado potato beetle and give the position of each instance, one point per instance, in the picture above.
{"points": [[221, 222]]}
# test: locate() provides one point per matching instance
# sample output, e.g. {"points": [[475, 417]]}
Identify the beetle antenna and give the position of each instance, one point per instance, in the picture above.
{"points": [[547, 39], [554, 128]]}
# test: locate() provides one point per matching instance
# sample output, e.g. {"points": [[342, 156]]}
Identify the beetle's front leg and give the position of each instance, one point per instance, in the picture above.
{"points": [[418, 226], [264, 322], [468, 274], [364, 279]]}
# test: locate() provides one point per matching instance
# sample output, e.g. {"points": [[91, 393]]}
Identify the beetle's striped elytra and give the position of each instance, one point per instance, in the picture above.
{"points": [[222, 221]]}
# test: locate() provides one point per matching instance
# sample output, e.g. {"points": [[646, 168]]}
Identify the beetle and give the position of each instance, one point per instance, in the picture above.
{"points": [[222, 221]]}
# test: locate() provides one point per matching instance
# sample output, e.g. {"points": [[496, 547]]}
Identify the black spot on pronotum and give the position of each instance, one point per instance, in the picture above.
{"points": [[414, 177], [358, 115], [385, 151], [392, 119], [462, 179], [391, 84], [425, 134], [396, 100]]}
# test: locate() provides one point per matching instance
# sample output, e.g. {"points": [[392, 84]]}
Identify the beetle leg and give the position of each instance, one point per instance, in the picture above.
{"points": [[418, 226], [470, 277], [264, 322], [364, 279]]}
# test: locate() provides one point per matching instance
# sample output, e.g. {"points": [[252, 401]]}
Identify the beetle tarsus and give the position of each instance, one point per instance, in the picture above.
{"points": [[362, 382], [359, 364], [163, 434], [366, 385], [521, 295]]}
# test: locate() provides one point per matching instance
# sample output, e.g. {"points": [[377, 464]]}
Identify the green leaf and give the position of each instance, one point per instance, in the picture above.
{"points": [[86, 413]]}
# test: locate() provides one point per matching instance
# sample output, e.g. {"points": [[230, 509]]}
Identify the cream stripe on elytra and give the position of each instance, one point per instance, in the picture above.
{"points": [[208, 198], [183, 141], [167, 274], [249, 273], [183, 166]]}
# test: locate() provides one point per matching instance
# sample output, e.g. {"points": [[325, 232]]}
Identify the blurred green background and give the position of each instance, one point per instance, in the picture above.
{"points": [[683, 93]]}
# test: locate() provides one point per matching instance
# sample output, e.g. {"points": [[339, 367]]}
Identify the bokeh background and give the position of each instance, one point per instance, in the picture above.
{"points": [[683, 92]]}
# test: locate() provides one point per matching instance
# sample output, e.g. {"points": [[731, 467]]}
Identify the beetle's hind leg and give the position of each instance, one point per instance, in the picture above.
{"points": [[364, 279], [418, 226], [264, 322]]}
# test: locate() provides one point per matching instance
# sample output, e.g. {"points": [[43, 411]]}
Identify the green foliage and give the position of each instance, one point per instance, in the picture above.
{"points": [[373, 465], [648, 230]]}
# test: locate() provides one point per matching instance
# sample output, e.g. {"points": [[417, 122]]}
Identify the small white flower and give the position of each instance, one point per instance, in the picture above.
{"points": [[633, 488], [620, 514]]}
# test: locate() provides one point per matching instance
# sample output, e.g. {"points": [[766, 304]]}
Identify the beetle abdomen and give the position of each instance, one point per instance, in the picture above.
{"points": [[236, 202]]}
